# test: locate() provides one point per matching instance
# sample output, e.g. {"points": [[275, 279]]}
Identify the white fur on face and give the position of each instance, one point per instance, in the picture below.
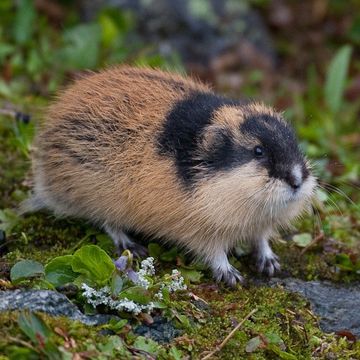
{"points": [[246, 201], [286, 204], [297, 174]]}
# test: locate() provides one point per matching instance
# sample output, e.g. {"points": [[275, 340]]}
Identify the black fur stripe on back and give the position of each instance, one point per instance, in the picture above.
{"points": [[183, 126]]}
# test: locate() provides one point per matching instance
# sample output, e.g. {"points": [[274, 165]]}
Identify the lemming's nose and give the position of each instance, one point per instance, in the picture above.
{"points": [[295, 177]]}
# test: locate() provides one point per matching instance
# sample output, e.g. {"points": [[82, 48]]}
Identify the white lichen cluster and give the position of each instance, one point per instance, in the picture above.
{"points": [[103, 297], [146, 269], [177, 283]]}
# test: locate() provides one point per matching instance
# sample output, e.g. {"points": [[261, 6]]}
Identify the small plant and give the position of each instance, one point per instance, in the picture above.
{"points": [[116, 285]]}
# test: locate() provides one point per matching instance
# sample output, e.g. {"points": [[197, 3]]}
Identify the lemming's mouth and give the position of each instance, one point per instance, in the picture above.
{"points": [[305, 191]]}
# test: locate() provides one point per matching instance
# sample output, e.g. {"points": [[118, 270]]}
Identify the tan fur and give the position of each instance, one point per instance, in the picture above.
{"points": [[128, 184], [136, 191]]}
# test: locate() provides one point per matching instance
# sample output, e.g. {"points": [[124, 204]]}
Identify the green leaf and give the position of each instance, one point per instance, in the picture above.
{"points": [[116, 284], [302, 240], [24, 21], [25, 269], [136, 293], [39, 333], [273, 338], [193, 276], [8, 220], [336, 78], [253, 344], [343, 262], [110, 348], [94, 263], [41, 284], [146, 344], [59, 271], [33, 326]]}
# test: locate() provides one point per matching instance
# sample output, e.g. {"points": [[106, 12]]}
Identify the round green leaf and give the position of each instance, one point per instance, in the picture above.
{"points": [[26, 269], [116, 284], [146, 344], [253, 344], [59, 271], [302, 240], [137, 294], [94, 263]]}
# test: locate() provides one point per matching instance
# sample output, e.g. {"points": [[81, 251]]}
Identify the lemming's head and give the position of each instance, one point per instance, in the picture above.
{"points": [[242, 153]]}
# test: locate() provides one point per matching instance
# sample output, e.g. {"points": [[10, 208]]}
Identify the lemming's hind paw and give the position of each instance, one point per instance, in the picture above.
{"points": [[268, 264], [230, 277], [138, 250], [122, 242]]}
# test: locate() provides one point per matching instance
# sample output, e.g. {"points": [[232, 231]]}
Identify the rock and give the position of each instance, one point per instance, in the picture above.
{"points": [[337, 305], [161, 330], [49, 302]]}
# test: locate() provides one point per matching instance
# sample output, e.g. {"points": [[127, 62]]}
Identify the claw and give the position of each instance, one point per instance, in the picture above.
{"points": [[231, 277], [138, 250], [268, 265]]}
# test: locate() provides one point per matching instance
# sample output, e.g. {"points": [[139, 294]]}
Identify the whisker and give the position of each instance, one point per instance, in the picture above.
{"points": [[335, 205], [340, 192]]}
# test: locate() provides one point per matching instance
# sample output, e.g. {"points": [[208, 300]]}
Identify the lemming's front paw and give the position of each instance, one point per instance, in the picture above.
{"points": [[230, 277], [268, 264]]}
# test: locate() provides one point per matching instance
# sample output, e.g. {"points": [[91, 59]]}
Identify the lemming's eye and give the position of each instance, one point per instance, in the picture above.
{"points": [[258, 151]]}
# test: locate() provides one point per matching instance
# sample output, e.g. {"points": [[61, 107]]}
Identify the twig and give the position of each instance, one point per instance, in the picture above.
{"points": [[313, 242], [236, 328], [198, 298]]}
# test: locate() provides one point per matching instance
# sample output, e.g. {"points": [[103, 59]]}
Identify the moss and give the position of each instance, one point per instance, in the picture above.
{"points": [[279, 314], [317, 263], [63, 330]]}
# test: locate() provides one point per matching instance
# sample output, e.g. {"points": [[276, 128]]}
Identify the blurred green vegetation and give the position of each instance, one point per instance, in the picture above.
{"points": [[36, 56], [39, 55]]}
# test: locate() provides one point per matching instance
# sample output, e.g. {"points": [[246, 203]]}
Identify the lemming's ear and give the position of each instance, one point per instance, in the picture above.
{"points": [[212, 137]]}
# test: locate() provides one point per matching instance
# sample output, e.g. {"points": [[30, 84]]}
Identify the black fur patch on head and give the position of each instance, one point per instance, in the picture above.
{"points": [[183, 129], [225, 154], [279, 142]]}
